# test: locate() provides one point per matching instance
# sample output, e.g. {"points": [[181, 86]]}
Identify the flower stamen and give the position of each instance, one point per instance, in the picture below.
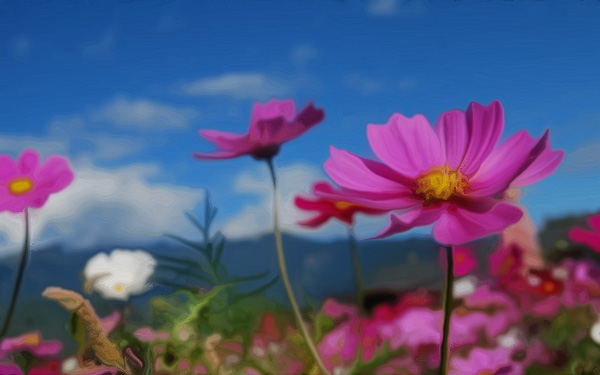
{"points": [[441, 184], [20, 186]]}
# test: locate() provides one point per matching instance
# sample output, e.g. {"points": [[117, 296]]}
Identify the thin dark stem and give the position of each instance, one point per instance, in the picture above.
{"points": [[359, 276], [18, 281], [448, 294], [284, 275]]}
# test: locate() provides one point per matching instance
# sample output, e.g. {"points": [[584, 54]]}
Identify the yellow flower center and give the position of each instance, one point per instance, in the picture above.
{"points": [[441, 184], [342, 205], [32, 340], [119, 288], [20, 186]]}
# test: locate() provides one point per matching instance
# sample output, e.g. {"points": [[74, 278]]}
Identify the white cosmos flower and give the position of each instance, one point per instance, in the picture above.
{"points": [[464, 286], [595, 332], [121, 274]]}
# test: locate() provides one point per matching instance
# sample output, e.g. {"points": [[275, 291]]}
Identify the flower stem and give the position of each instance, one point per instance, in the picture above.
{"points": [[359, 276], [445, 354], [284, 275], [20, 273]]}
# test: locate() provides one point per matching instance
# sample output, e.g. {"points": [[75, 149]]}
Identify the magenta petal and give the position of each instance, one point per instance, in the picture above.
{"points": [[54, 175], [594, 222], [28, 161], [370, 200], [408, 145], [543, 166], [272, 109], [219, 155], [484, 124], [266, 130], [306, 119], [460, 225], [587, 237], [224, 140], [353, 172], [8, 169], [412, 218], [452, 131], [508, 161]]}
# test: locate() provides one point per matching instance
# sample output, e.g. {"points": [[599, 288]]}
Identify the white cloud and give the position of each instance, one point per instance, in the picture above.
{"points": [[403, 8], [252, 85], [256, 219], [363, 84], [102, 47], [382, 7], [146, 114], [369, 85], [584, 159], [303, 53], [118, 204], [21, 47]]}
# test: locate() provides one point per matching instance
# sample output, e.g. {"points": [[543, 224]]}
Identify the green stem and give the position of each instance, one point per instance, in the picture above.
{"points": [[448, 294], [18, 281], [284, 275], [359, 276]]}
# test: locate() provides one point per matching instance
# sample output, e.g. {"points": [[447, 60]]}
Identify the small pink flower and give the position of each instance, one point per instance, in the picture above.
{"points": [[588, 237], [271, 125], [329, 208], [31, 342], [26, 183], [453, 176], [464, 260]]}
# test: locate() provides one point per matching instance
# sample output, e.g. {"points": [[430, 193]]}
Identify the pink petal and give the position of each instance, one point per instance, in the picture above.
{"points": [[464, 261], [8, 169], [28, 162], [224, 140], [594, 222], [306, 119], [371, 200], [508, 161], [408, 145], [272, 109], [219, 155], [460, 225], [587, 237], [54, 175], [484, 125], [265, 131], [415, 217], [542, 167], [452, 131], [353, 172]]}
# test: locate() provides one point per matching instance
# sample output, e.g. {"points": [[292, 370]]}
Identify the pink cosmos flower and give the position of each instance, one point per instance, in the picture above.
{"points": [[588, 237], [31, 342], [329, 208], [27, 183], [271, 125], [453, 176]]}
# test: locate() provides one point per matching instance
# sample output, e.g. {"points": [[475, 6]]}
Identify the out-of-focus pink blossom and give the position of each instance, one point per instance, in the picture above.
{"points": [[331, 208], [31, 342], [588, 237], [271, 125], [453, 176]]}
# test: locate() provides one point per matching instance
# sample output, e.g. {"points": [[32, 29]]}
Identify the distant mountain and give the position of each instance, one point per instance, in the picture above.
{"points": [[317, 269]]}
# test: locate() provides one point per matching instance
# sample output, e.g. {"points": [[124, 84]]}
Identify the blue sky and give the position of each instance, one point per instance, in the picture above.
{"points": [[122, 87]]}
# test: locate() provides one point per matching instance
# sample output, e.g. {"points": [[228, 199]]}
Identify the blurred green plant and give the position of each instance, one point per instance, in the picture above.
{"points": [[208, 270]]}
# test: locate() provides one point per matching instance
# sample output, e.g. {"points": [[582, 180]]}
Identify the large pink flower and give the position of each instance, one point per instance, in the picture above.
{"points": [[26, 183], [271, 125], [453, 175]]}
